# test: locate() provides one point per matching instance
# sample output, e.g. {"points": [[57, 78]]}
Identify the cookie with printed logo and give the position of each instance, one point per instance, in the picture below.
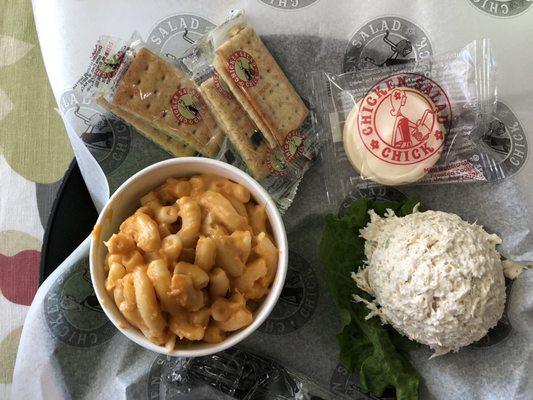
{"points": [[395, 134]]}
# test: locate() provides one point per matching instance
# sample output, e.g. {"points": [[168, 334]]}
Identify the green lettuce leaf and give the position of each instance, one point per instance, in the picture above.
{"points": [[376, 353]]}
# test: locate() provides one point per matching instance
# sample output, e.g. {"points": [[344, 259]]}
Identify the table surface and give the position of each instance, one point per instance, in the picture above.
{"points": [[34, 155]]}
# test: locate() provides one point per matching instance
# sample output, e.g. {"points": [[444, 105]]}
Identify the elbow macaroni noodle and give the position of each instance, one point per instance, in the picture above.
{"points": [[193, 262]]}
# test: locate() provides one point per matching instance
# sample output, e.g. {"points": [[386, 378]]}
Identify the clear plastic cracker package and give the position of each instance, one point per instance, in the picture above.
{"points": [[152, 94], [420, 122], [245, 112], [269, 127]]}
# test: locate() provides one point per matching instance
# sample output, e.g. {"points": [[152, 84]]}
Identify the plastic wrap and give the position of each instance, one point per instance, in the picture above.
{"points": [[153, 95], [236, 374], [250, 117], [420, 122], [233, 59]]}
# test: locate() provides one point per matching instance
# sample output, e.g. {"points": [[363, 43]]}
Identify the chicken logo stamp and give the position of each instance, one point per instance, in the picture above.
{"points": [[109, 66], [176, 33], [386, 41], [298, 300], [507, 139], [294, 145], [107, 137], [502, 8], [243, 69], [289, 4], [277, 162], [402, 119], [221, 86], [186, 105], [72, 311]]}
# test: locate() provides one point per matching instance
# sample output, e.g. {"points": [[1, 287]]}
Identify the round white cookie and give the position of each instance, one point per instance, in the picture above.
{"points": [[398, 140]]}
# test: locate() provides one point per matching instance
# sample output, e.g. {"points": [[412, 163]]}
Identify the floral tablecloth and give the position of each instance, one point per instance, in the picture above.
{"points": [[34, 155]]}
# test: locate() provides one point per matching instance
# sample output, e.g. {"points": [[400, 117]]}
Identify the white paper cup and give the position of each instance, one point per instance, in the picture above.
{"points": [[127, 199]]}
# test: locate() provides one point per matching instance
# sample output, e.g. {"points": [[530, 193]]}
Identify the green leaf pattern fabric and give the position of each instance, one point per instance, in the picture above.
{"points": [[34, 149]]}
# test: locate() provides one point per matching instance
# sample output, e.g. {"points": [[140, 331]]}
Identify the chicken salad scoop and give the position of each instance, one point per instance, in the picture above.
{"points": [[436, 279]]}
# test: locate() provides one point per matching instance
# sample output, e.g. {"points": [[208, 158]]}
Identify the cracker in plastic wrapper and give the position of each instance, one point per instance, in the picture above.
{"points": [[174, 147], [241, 131], [257, 74], [163, 96], [234, 55]]}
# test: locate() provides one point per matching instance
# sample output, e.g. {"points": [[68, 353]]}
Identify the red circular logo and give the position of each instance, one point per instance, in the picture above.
{"points": [[293, 145], [243, 69], [187, 105], [403, 118], [109, 66], [96, 49], [277, 162], [221, 86]]}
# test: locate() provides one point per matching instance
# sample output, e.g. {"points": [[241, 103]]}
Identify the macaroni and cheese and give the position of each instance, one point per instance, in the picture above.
{"points": [[193, 262]]}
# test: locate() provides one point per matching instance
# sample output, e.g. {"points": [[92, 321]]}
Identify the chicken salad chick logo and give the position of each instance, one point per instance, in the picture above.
{"points": [[221, 86], [298, 300], [187, 105], [276, 161], [243, 69], [176, 33], [107, 137], [507, 140], [502, 8], [109, 66], [288, 4], [293, 145], [403, 119], [72, 311], [386, 41], [374, 193]]}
